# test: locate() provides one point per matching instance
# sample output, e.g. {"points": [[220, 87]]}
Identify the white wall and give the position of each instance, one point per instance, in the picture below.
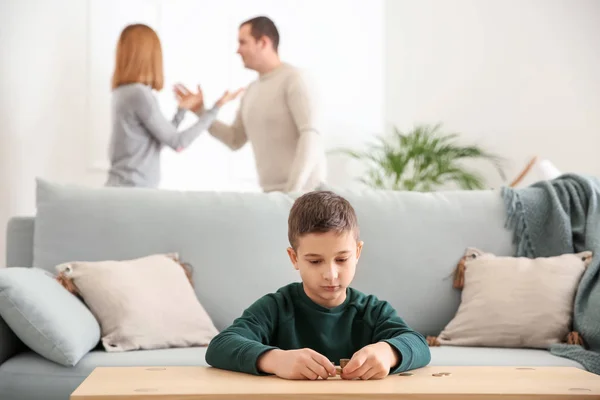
{"points": [[199, 46], [520, 77], [43, 76]]}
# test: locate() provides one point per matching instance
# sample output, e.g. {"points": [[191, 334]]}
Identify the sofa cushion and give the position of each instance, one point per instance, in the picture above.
{"points": [[412, 241], [497, 356], [145, 303], [28, 376], [45, 316]]}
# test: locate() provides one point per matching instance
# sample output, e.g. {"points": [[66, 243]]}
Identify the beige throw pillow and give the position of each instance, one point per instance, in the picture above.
{"points": [[145, 303], [513, 301]]}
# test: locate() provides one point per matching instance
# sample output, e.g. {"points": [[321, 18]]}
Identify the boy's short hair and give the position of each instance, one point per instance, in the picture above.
{"points": [[321, 212]]}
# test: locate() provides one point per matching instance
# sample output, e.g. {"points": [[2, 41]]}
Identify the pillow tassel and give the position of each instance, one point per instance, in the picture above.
{"points": [[433, 341], [67, 283], [459, 275], [575, 339]]}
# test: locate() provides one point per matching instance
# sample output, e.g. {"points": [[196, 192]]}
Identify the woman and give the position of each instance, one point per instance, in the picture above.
{"points": [[139, 129]]}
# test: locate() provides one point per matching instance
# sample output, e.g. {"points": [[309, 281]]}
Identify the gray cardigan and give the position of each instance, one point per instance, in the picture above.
{"points": [[140, 131]]}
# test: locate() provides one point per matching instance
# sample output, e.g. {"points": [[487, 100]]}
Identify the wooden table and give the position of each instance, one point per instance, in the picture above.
{"points": [[194, 383]]}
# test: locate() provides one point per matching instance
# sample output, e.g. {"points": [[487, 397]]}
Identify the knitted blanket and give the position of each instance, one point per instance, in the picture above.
{"points": [[561, 216]]}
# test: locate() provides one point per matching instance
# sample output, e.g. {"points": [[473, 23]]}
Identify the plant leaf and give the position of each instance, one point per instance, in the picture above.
{"points": [[423, 159]]}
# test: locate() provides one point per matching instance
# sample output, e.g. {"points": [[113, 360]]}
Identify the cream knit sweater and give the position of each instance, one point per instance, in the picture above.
{"points": [[276, 117]]}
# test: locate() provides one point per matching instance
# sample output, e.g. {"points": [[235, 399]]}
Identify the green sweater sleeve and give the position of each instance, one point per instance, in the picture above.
{"points": [[411, 346], [238, 347]]}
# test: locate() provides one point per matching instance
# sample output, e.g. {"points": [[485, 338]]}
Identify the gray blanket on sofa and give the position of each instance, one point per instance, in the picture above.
{"points": [[560, 216]]}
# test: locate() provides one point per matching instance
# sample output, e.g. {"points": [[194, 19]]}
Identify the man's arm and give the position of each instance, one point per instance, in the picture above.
{"points": [[309, 142], [233, 136], [239, 347], [411, 347]]}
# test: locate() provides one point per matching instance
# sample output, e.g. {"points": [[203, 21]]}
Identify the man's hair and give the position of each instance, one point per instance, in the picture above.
{"points": [[263, 26], [321, 212]]}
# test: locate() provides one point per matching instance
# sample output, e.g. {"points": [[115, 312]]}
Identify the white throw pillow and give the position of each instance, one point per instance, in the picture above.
{"points": [[141, 304], [514, 302]]}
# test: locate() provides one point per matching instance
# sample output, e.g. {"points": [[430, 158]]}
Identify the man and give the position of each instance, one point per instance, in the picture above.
{"points": [[275, 115]]}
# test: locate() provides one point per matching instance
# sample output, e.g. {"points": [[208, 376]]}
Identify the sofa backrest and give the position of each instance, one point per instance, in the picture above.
{"points": [[237, 242]]}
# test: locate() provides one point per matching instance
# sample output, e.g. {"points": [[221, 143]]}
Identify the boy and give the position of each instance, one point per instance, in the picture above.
{"points": [[300, 331]]}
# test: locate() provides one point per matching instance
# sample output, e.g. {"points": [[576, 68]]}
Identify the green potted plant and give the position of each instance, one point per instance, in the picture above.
{"points": [[423, 159]]}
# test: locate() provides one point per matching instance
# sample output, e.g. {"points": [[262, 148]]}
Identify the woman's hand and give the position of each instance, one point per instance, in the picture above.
{"points": [[187, 99]]}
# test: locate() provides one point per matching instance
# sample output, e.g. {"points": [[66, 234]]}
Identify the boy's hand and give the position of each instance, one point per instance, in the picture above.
{"points": [[371, 362], [296, 364]]}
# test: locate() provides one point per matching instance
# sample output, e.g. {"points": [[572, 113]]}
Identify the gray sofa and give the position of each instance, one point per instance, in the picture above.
{"points": [[236, 243]]}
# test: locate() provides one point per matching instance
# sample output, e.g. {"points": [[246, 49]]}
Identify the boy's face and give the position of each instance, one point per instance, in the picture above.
{"points": [[327, 263]]}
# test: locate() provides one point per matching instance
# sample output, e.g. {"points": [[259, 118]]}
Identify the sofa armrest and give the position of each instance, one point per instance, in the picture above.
{"points": [[10, 344]]}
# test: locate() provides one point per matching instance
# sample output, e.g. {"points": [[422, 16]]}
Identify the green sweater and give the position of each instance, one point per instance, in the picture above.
{"points": [[289, 320]]}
